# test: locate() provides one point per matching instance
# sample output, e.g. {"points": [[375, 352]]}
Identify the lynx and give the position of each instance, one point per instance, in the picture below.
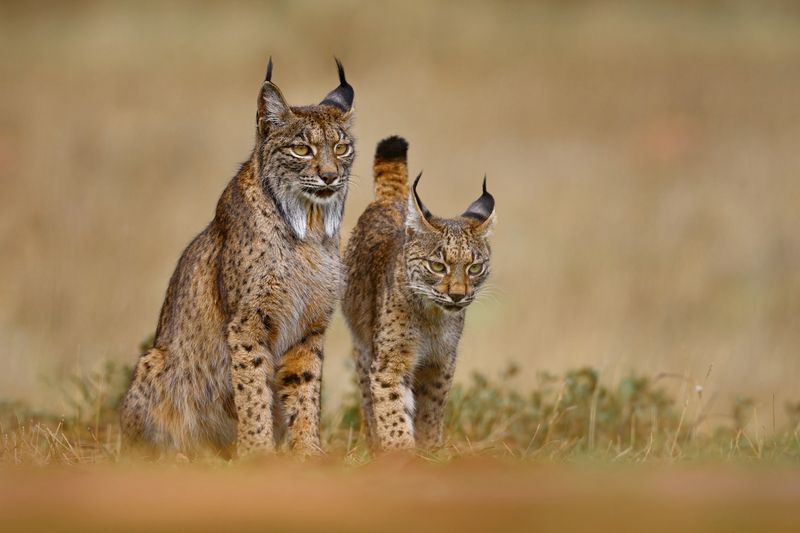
{"points": [[237, 357], [410, 276]]}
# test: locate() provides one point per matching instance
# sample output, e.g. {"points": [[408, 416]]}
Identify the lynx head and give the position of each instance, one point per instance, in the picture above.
{"points": [[448, 259], [304, 154]]}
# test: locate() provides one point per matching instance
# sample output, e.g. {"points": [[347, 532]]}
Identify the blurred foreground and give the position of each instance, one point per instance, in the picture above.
{"points": [[398, 494]]}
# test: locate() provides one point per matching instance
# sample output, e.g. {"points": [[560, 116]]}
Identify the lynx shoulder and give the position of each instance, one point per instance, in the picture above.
{"points": [[410, 277]]}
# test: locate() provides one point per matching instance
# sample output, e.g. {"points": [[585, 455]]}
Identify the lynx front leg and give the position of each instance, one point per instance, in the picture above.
{"points": [[300, 383], [252, 375], [431, 386], [392, 398]]}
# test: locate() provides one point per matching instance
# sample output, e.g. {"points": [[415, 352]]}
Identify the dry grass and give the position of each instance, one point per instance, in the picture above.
{"points": [[643, 159], [572, 418]]}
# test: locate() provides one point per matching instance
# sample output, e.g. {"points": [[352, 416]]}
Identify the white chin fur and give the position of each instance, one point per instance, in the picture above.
{"points": [[296, 209], [314, 199]]}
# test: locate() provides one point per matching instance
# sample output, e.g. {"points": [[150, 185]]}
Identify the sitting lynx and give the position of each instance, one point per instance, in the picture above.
{"points": [[410, 276], [238, 349]]}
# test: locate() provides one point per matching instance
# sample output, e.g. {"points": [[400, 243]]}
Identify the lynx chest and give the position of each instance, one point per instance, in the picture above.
{"points": [[308, 288], [438, 336]]}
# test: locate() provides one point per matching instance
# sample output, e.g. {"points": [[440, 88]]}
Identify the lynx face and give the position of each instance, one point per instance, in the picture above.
{"points": [[313, 150], [305, 155], [448, 260]]}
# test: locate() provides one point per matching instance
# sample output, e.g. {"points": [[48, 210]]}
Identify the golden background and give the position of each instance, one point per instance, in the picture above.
{"points": [[645, 159]]}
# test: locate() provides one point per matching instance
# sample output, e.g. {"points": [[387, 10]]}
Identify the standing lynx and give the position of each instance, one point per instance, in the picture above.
{"points": [[237, 356], [410, 276]]}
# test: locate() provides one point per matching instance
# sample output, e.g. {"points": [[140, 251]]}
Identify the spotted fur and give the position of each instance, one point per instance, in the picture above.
{"points": [[237, 358], [405, 316]]}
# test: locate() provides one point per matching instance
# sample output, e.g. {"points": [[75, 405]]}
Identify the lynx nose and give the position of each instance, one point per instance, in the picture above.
{"points": [[457, 296], [328, 177]]}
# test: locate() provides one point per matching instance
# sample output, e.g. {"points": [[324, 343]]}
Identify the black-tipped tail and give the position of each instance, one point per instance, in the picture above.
{"points": [[392, 148], [391, 169]]}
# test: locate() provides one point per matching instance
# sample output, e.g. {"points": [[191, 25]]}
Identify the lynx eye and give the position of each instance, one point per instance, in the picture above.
{"points": [[341, 149], [301, 150], [437, 267], [475, 269]]}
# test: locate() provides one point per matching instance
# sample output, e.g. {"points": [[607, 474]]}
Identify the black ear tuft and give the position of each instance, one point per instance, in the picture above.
{"points": [[420, 205], [393, 148], [342, 96], [268, 77], [482, 208], [340, 70]]}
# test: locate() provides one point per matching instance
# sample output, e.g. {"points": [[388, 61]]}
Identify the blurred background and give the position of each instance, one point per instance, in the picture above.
{"points": [[645, 158]]}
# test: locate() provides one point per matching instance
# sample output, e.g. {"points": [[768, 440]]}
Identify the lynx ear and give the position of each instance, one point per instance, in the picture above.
{"points": [[342, 96], [272, 107], [482, 211], [418, 217]]}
